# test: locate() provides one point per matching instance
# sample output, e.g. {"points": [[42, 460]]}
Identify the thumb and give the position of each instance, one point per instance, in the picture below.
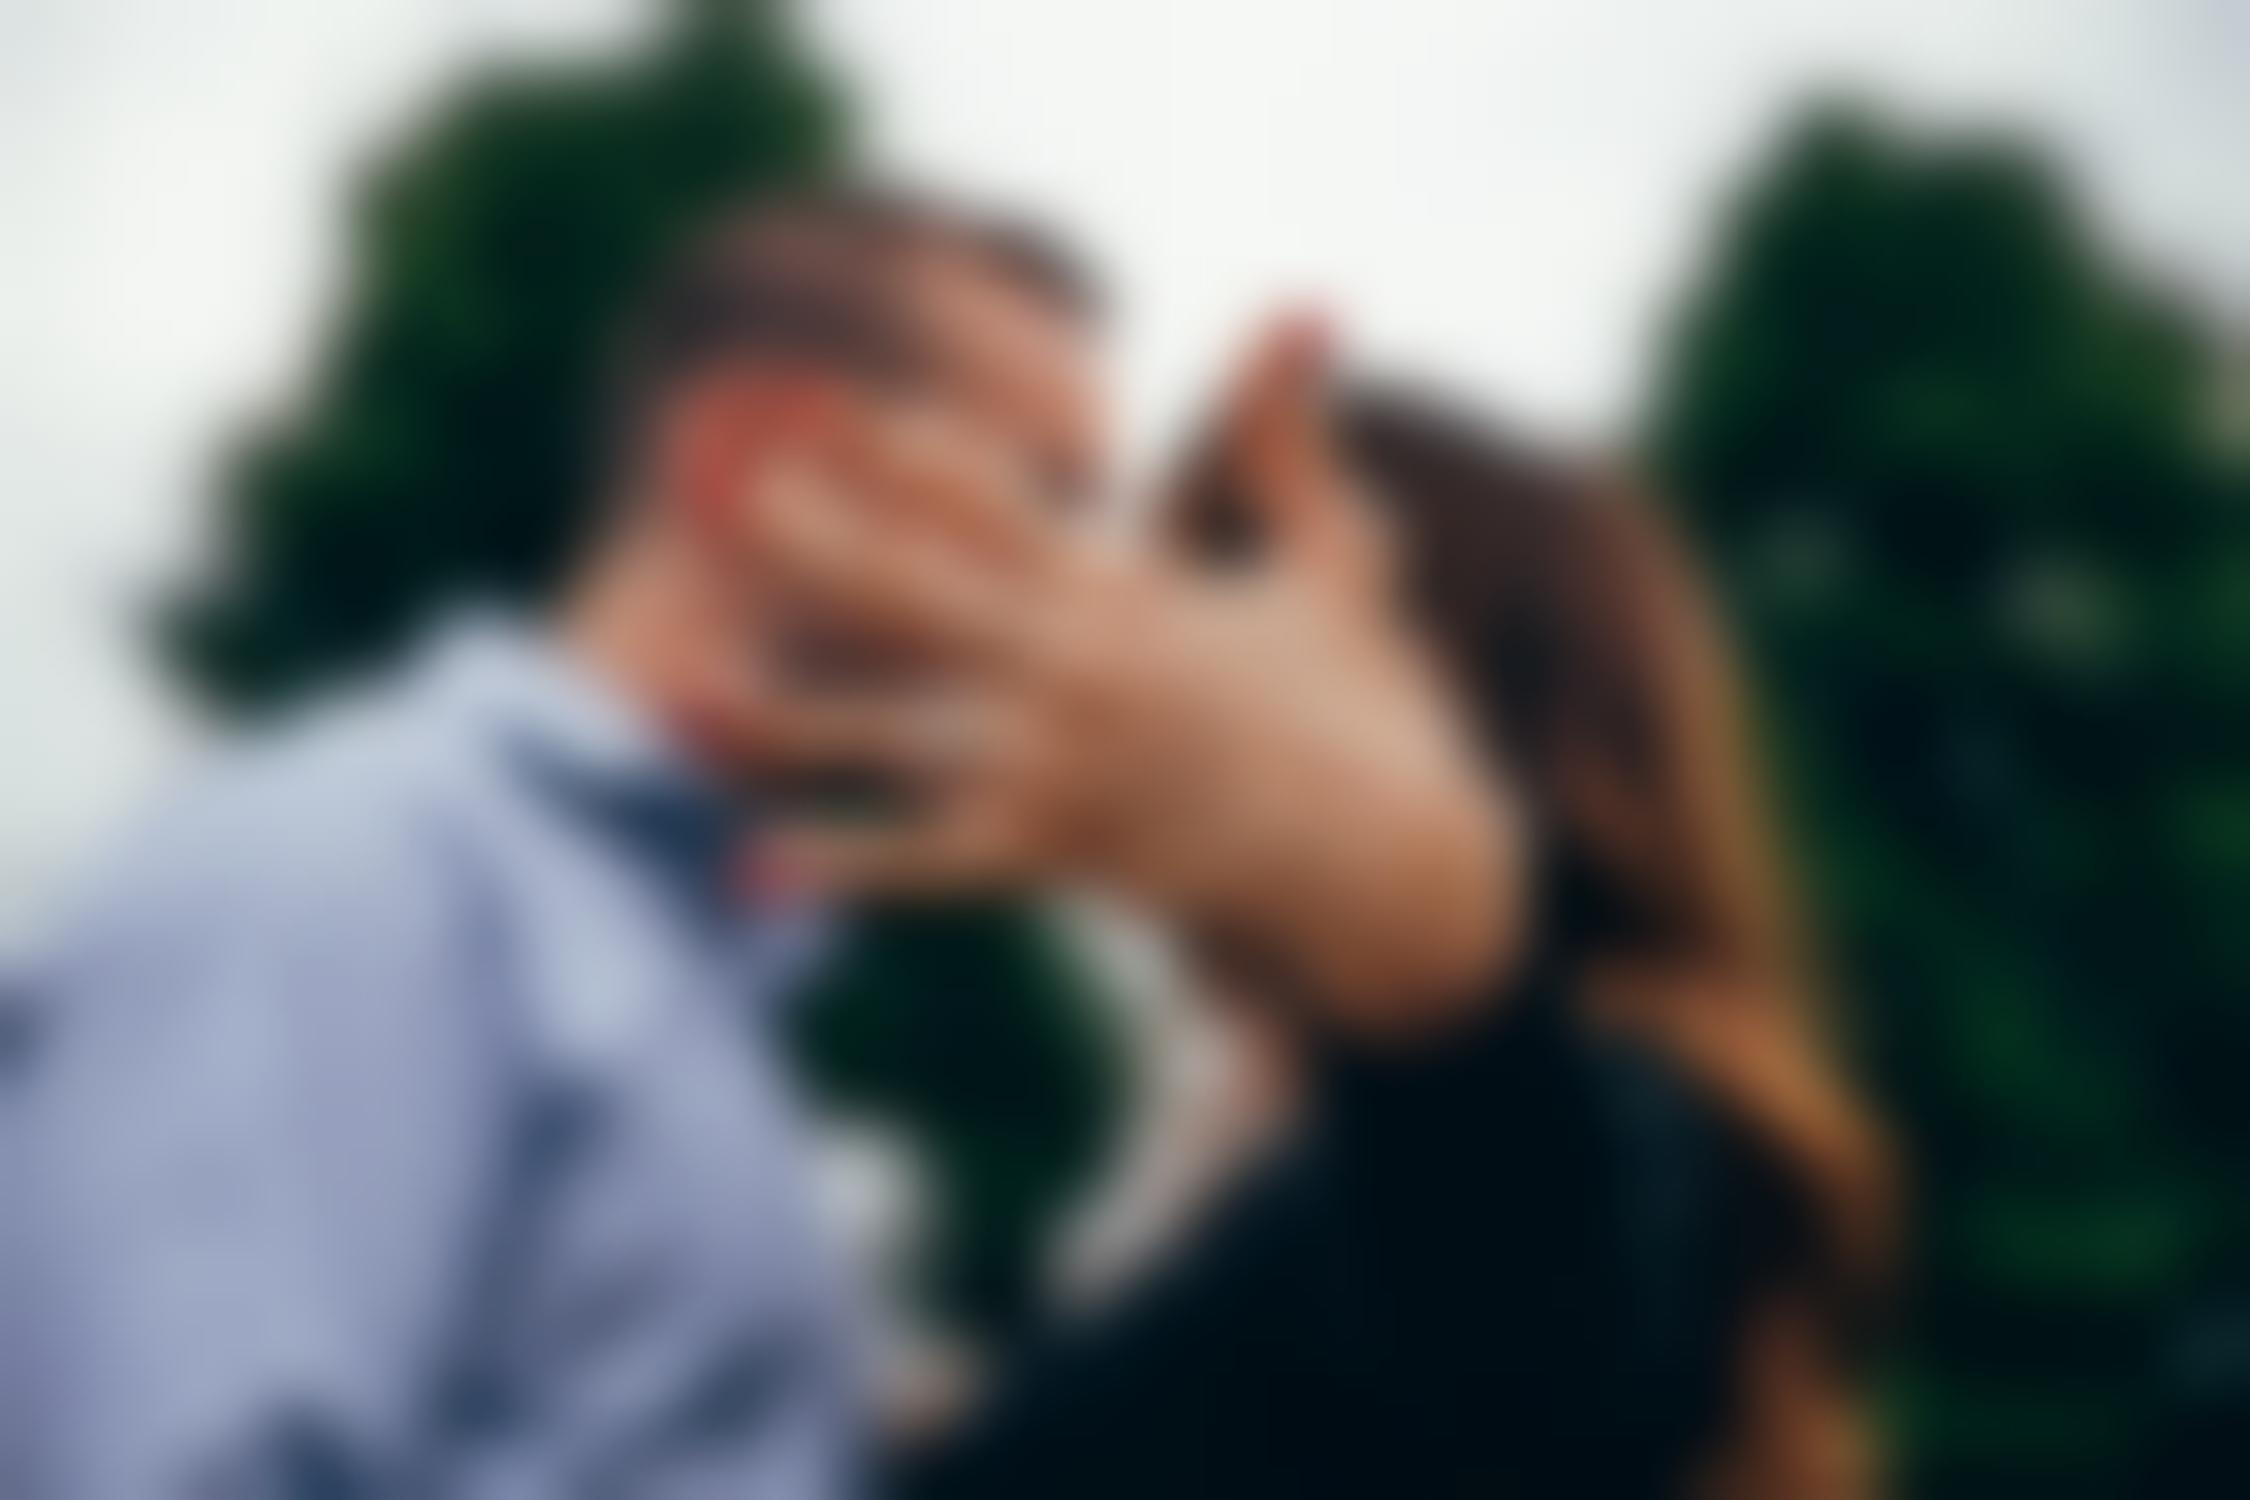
{"points": [[1280, 449]]}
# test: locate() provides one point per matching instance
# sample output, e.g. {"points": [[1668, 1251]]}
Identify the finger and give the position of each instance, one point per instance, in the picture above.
{"points": [[924, 470], [1276, 435], [921, 737], [857, 571], [948, 854], [1281, 450]]}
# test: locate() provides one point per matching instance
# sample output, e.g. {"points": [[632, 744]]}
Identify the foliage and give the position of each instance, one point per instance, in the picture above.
{"points": [[966, 1026], [451, 437], [1964, 482]]}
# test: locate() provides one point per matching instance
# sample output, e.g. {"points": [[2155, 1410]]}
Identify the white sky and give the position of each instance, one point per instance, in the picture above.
{"points": [[1504, 192]]}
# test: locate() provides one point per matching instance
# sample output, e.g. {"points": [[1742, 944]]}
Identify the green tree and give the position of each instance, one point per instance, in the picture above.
{"points": [[1960, 477], [450, 443], [449, 437], [973, 1028]]}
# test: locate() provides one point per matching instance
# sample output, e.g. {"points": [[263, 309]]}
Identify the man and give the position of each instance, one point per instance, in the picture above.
{"points": [[402, 1114]]}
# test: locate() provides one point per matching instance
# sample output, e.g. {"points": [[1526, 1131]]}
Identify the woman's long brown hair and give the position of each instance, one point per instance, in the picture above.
{"points": [[1596, 670]]}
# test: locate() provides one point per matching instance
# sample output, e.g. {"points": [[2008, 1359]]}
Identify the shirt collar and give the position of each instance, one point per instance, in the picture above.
{"points": [[574, 734], [592, 753]]}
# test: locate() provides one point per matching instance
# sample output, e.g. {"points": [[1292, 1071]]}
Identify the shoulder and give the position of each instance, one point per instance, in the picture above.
{"points": [[327, 826]]}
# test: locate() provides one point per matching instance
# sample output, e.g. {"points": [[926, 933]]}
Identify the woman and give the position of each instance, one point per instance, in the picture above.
{"points": [[1575, 632], [1620, 1233]]}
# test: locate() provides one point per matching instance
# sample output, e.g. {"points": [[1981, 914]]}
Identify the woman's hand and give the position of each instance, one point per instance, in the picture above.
{"points": [[1266, 756]]}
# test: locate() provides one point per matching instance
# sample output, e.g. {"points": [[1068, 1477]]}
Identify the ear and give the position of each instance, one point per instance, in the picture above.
{"points": [[718, 428]]}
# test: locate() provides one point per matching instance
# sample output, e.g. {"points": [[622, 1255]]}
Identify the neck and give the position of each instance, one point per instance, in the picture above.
{"points": [[649, 619]]}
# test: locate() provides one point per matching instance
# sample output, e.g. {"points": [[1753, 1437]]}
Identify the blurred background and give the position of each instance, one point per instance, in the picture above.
{"points": [[1931, 318]]}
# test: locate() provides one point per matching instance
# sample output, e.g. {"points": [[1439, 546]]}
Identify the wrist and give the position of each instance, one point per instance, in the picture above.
{"points": [[1393, 933]]}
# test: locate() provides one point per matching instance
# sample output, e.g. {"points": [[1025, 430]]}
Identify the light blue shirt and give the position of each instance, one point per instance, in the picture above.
{"points": [[400, 1117]]}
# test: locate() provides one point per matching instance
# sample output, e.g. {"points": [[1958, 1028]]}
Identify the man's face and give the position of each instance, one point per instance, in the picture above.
{"points": [[1013, 365], [1008, 364]]}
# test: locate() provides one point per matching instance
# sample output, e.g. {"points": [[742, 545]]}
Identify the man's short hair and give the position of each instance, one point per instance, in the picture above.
{"points": [[812, 277]]}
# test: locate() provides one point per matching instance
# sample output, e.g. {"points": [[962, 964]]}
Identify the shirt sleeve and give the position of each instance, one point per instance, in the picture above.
{"points": [[260, 1105]]}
